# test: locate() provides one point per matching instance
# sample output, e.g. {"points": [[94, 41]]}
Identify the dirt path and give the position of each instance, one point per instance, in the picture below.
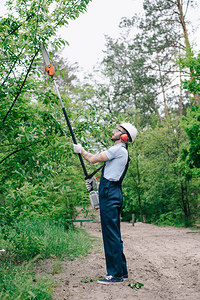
{"points": [[165, 259]]}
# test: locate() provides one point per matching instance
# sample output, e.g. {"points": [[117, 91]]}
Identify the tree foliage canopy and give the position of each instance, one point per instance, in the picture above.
{"points": [[150, 74]]}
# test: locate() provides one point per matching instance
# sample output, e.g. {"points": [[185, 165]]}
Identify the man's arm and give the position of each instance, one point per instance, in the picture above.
{"points": [[94, 158]]}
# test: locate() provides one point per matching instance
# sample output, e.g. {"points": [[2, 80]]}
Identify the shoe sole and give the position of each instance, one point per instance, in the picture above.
{"points": [[103, 282], [111, 282]]}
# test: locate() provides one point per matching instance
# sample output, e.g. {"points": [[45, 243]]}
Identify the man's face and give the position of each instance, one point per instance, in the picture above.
{"points": [[116, 134]]}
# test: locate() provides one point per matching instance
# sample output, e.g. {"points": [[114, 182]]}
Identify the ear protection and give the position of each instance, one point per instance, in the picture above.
{"points": [[124, 137]]}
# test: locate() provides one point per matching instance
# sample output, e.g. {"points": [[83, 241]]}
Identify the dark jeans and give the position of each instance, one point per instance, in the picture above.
{"points": [[110, 198]]}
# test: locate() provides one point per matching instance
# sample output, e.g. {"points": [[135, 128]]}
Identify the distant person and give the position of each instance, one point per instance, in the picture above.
{"points": [[116, 164]]}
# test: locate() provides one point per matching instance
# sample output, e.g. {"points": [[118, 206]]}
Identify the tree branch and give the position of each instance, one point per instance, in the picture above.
{"points": [[15, 152], [66, 13], [16, 28], [11, 70], [23, 83]]}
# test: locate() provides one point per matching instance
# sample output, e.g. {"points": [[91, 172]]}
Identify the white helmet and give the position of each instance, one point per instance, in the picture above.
{"points": [[132, 131]]}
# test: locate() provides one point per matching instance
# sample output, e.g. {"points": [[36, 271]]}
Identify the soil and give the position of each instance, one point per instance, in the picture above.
{"points": [[166, 260]]}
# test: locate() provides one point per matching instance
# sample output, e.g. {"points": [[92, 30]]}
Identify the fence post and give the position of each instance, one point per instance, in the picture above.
{"points": [[133, 219]]}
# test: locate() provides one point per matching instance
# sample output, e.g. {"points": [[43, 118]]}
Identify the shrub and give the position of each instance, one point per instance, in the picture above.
{"points": [[26, 239]]}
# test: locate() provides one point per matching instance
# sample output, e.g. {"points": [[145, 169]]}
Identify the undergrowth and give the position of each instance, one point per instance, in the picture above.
{"points": [[26, 242]]}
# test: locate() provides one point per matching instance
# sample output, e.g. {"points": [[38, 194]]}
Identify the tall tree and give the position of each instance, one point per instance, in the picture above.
{"points": [[29, 24], [33, 151], [131, 86], [162, 37], [172, 15]]}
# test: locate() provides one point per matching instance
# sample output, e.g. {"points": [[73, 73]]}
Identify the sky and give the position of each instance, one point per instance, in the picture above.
{"points": [[86, 35]]}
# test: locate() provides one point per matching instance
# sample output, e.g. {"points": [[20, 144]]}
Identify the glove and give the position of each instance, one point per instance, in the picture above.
{"points": [[77, 148], [91, 184]]}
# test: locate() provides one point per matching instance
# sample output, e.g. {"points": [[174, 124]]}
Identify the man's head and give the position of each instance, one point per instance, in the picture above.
{"points": [[124, 132], [117, 133]]}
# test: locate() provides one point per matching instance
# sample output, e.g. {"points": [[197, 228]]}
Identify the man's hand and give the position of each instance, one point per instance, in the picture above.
{"points": [[91, 184], [77, 148]]}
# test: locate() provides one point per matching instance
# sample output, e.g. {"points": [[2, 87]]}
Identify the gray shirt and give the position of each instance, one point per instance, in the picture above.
{"points": [[118, 157]]}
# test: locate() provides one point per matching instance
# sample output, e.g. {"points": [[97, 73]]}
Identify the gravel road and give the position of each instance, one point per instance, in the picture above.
{"points": [[166, 260]]}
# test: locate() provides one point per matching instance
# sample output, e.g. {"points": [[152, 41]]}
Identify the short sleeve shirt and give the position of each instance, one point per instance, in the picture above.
{"points": [[115, 166]]}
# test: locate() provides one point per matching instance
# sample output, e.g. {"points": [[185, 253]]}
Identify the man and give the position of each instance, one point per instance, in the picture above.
{"points": [[110, 198]]}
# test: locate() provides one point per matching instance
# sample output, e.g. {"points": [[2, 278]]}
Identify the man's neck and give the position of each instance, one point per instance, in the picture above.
{"points": [[117, 142]]}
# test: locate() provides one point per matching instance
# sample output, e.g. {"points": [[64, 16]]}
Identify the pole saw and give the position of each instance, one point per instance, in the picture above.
{"points": [[50, 70], [94, 198]]}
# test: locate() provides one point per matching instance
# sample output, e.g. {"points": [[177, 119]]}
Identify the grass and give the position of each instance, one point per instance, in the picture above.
{"points": [[56, 267], [26, 242], [19, 282]]}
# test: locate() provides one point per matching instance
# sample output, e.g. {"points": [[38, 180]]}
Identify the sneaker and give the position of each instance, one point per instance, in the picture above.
{"points": [[111, 279]]}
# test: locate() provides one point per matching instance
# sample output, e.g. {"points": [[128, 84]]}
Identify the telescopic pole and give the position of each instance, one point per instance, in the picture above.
{"points": [[50, 70]]}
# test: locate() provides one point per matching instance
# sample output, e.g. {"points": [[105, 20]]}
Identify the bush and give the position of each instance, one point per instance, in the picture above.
{"points": [[174, 218], [30, 202], [26, 239]]}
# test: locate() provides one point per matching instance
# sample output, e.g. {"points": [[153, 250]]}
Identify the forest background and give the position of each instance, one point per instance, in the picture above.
{"points": [[151, 80], [150, 77]]}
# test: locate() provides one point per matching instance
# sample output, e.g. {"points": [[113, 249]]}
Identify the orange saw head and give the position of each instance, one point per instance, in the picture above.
{"points": [[50, 69], [48, 66]]}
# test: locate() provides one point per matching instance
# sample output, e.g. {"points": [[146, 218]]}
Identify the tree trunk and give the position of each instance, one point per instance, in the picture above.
{"points": [[163, 88], [138, 191], [181, 97], [187, 43], [185, 205], [159, 116]]}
